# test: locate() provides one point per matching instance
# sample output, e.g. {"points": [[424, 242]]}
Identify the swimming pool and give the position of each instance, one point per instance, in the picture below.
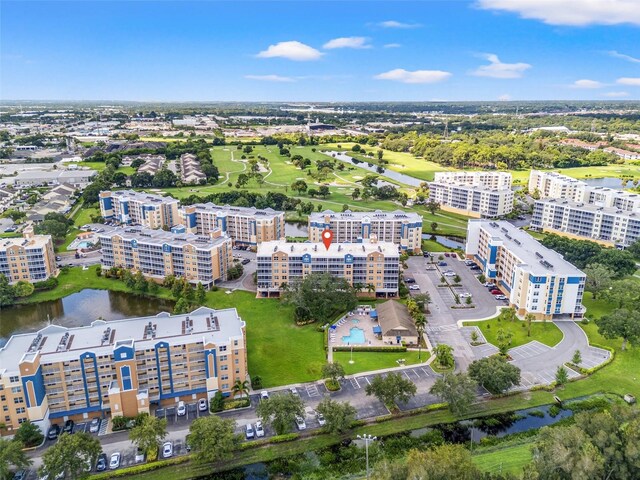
{"points": [[84, 244], [356, 335]]}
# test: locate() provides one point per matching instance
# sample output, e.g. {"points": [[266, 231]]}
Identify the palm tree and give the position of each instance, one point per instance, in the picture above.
{"points": [[371, 288], [241, 388], [421, 323]]}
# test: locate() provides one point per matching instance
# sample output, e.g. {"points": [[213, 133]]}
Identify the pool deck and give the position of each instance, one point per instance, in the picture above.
{"points": [[359, 318]]}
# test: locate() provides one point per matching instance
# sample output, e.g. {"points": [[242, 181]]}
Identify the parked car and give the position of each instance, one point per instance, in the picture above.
{"points": [[468, 263], [300, 423], [474, 267], [264, 395], [58, 258], [409, 280], [187, 445], [321, 420], [259, 429], [426, 254], [54, 431], [442, 264], [202, 404], [20, 475], [139, 456], [449, 274], [101, 464], [68, 426], [495, 291], [182, 409], [294, 391], [464, 295], [115, 461], [245, 261], [167, 449], [501, 297], [249, 432], [489, 284], [414, 287], [94, 426]]}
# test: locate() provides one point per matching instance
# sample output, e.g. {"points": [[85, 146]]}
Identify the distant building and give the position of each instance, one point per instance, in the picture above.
{"points": [[402, 228], [120, 367], [190, 170], [157, 254], [490, 180], [471, 201], [75, 178], [573, 142], [29, 259], [152, 163], [535, 279], [247, 226], [138, 208], [626, 154], [361, 264]]}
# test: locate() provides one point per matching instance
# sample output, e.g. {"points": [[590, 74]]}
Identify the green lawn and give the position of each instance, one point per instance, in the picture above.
{"points": [[544, 332], [368, 361], [511, 459], [433, 246]]}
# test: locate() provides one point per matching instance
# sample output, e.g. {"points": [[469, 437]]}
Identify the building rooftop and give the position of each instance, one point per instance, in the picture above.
{"points": [[141, 196], [54, 174], [335, 250], [37, 241], [541, 259], [591, 207], [378, 214], [228, 209], [161, 237], [463, 186], [56, 343]]}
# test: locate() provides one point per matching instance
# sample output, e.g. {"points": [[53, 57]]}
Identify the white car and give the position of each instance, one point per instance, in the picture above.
{"points": [[114, 462], [449, 274], [139, 456], [500, 297], [464, 295], [414, 287], [249, 432], [259, 429], [94, 426], [321, 420], [182, 409], [264, 395], [300, 423], [202, 405], [294, 391], [167, 450]]}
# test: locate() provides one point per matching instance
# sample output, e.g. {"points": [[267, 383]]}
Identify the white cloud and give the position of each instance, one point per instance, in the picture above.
{"points": [[629, 58], [270, 78], [347, 42], [292, 50], [616, 94], [417, 76], [570, 12], [584, 83], [396, 24], [634, 82], [504, 97], [497, 69], [392, 45]]}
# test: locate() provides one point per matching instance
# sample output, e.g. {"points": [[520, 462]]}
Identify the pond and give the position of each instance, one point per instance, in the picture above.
{"points": [[608, 182], [296, 229], [451, 242], [77, 310], [393, 175]]}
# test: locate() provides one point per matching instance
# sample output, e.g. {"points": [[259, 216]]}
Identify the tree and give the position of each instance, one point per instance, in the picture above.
{"points": [[434, 226], [442, 462], [391, 389], [29, 435], [529, 317], [355, 194], [338, 415], [7, 293], [280, 411], [432, 206], [444, 355], [420, 321], [621, 323], [201, 294], [299, 186], [241, 387], [181, 306], [216, 403], [599, 278], [622, 294], [620, 262], [70, 455], [148, 432], [11, 455], [457, 389], [213, 438], [495, 374], [333, 371], [23, 289], [323, 191], [577, 358], [503, 339], [562, 376]]}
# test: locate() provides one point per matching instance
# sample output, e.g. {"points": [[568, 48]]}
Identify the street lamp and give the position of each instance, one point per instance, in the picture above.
{"points": [[367, 440]]}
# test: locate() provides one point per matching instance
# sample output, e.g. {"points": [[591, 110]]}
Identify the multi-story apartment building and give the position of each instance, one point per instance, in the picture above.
{"points": [[198, 258], [401, 228], [553, 185], [30, 258], [535, 279], [611, 226], [138, 208], [120, 367], [490, 180], [247, 226], [472, 201], [372, 263]]}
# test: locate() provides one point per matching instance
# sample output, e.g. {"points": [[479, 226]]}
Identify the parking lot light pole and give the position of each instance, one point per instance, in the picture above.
{"points": [[367, 439]]}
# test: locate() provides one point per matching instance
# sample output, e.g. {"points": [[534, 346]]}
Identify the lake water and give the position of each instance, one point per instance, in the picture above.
{"points": [[451, 242], [609, 182], [393, 175], [296, 229], [77, 310]]}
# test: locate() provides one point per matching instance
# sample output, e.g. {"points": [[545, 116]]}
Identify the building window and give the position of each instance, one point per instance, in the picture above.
{"points": [[222, 348], [22, 420], [16, 389], [20, 410], [14, 379], [18, 400]]}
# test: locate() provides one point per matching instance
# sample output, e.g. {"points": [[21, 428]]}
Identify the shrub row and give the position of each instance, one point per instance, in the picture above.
{"points": [[369, 349], [147, 467], [589, 371]]}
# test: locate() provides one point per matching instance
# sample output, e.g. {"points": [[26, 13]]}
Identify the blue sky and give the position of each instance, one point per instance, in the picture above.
{"points": [[320, 51]]}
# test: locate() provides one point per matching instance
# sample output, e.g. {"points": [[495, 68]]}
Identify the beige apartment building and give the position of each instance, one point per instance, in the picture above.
{"points": [[129, 207], [29, 259]]}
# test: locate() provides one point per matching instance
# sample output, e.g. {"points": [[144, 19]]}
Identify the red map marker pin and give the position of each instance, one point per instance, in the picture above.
{"points": [[327, 237]]}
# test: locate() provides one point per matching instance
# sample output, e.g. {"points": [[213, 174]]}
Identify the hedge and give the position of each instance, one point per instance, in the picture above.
{"points": [[147, 467], [369, 349], [589, 371]]}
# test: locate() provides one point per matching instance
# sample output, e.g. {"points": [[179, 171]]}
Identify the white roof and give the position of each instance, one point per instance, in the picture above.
{"points": [[335, 250]]}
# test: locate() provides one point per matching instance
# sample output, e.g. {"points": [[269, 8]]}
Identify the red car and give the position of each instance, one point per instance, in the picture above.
{"points": [[495, 291]]}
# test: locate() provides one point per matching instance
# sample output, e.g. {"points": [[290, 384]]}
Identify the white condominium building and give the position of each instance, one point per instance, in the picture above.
{"points": [[28, 259], [371, 264], [553, 185], [472, 201], [401, 228], [491, 180], [612, 226], [139, 208], [247, 226], [535, 279]]}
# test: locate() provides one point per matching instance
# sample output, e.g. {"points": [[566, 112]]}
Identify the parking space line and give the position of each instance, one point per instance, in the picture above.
{"points": [[406, 374], [354, 382], [425, 372], [367, 380]]}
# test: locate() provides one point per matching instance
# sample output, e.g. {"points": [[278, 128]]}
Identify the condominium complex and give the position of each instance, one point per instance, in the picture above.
{"points": [[247, 226], [535, 279], [138, 208], [29, 259], [472, 201], [373, 263], [491, 180], [611, 226], [120, 367], [401, 228], [190, 169], [553, 185], [198, 258]]}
